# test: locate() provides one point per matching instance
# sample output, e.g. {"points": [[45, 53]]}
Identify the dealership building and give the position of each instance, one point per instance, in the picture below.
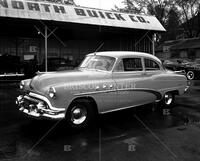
{"points": [[39, 29]]}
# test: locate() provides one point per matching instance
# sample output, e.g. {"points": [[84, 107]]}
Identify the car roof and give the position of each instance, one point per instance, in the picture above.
{"points": [[123, 54]]}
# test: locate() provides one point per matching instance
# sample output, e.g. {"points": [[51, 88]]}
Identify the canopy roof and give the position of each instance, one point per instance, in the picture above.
{"points": [[25, 9]]}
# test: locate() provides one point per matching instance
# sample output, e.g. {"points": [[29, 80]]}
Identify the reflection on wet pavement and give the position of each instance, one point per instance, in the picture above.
{"points": [[134, 134], [61, 141]]}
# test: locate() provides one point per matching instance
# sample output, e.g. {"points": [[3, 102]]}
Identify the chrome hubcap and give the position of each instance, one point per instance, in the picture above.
{"points": [[168, 99], [78, 115], [190, 75]]}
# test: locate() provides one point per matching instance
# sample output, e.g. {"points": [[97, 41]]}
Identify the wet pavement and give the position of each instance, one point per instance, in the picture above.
{"points": [[139, 134]]}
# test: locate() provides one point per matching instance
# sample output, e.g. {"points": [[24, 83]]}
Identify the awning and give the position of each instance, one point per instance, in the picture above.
{"points": [[74, 14]]}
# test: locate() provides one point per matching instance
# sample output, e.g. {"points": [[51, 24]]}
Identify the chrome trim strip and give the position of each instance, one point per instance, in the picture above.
{"points": [[155, 92], [118, 109], [172, 88], [47, 101], [96, 92]]}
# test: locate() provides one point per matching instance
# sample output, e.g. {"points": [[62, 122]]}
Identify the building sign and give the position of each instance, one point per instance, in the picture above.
{"points": [[66, 13], [28, 57]]}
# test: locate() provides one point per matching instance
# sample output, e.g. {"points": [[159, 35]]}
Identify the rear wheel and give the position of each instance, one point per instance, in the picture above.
{"points": [[190, 75], [168, 100], [80, 114]]}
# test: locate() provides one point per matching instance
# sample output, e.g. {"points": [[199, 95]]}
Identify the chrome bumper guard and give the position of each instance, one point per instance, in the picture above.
{"points": [[188, 86], [38, 108]]}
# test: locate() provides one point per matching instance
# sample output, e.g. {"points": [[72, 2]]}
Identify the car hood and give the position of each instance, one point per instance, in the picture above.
{"points": [[43, 81]]}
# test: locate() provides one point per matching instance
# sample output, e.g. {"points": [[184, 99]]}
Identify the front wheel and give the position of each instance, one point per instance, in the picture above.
{"points": [[168, 100], [80, 114]]}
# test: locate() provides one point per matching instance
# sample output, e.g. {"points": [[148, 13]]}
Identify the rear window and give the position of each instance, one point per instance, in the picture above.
{"points": [[151, 65]]}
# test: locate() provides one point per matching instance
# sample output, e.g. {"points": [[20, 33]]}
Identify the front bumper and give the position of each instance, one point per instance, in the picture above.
{"points": [[37, 106]]}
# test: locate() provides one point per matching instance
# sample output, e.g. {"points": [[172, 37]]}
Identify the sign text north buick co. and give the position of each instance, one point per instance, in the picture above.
{"points": [[108, 15], [60, 9]]}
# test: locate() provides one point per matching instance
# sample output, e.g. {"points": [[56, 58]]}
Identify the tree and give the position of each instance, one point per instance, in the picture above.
{"points": [[172, 25], [130, 7], [190, 11], [158, 8], [170, 13]]}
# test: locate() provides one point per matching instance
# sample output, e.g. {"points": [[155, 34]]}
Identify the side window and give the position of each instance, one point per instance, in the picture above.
{"points": [[132, 64], [151, 65], [120, 67]]}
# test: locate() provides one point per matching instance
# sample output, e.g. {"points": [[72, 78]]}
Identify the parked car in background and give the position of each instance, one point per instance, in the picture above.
{"points": [[56, 64], [173, 64], [191, 68], [104, 82]]}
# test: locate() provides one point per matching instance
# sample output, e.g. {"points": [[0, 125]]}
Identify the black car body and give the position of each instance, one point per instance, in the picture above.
{"points": [[173, 64], [191, 68]]}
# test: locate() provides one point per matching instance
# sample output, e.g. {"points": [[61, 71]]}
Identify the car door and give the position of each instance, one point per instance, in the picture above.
{"points": [[105, 93], [152, 72], [156, 80], [129, 78]]}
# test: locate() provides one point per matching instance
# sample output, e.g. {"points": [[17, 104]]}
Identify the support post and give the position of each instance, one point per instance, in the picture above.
{"points": [[153, 44], [46, 35], [46, 47]]}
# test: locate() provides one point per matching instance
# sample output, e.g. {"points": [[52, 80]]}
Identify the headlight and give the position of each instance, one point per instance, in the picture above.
{"points": [[52, 92], [21, 85]]}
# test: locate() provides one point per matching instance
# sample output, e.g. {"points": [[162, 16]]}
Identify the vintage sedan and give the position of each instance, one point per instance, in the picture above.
{"points": [[104, 82]]}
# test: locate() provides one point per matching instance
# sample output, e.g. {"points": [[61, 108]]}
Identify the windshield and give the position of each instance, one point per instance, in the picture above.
{"points": [[98, 62]]}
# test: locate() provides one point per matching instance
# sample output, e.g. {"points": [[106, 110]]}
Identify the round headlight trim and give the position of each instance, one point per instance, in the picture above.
{"points": [[22, 84], [52, 92]]}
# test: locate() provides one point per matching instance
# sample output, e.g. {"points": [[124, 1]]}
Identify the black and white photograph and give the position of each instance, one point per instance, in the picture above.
{"points": [[100, 80]]}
